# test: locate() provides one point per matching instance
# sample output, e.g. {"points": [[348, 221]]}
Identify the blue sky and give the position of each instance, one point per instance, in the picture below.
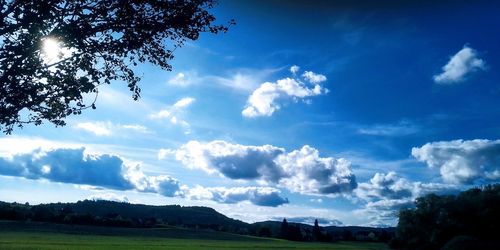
{"points": [[344, 111]]}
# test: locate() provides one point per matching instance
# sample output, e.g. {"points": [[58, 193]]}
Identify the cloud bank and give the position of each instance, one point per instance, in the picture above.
{"points": [[462, 161], [302, 171], [75, 166], [260, 196]]}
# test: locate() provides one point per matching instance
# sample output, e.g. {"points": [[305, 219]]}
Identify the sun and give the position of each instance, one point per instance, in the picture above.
{"points": [[51, 50]]}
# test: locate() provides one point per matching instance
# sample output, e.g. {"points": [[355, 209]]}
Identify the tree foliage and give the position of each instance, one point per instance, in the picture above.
{"points": [[436, 220], [99, 42]]}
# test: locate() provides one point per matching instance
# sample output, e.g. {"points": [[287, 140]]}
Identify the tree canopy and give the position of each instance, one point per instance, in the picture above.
{"points": [[54, 53], [439, 221]]}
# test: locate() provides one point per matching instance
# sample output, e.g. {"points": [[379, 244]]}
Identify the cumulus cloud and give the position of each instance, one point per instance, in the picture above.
{"points": [[68, 166], [313, 77], [302, 171], [390, 186], [385, 186], [173, 113], [261, 196], [462, 161], [95, 172], [231, 160], [264, 100], [73, 165], [294, 69], [108, 128], [386, 194], [308, 173], [460, 65]]}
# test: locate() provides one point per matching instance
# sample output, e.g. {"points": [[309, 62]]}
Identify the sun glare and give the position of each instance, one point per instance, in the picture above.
{"points": [[51, 50]]}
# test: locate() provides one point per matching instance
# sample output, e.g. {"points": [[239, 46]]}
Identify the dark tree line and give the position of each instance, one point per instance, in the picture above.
{"points": [[303, 232], [469, 220], [120, 214]]}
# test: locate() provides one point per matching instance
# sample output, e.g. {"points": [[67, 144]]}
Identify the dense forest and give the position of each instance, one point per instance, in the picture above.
{"points": [[469, 220], [121, 214]]}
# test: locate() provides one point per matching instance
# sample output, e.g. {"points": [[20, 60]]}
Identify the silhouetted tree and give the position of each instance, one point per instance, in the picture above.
{"points": [[54, 52], [317, 231], [284, 229]]}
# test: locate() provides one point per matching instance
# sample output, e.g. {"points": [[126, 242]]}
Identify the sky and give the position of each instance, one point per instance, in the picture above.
{"points": [[345, 111]]}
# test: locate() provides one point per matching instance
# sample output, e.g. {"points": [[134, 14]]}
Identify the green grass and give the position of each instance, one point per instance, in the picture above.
{"points": [[52, 236]]}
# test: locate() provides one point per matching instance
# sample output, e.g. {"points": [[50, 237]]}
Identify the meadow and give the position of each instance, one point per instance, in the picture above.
{"points": [[53, 236]]}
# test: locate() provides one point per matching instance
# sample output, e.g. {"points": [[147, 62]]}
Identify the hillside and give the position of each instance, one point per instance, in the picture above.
{"points": [[125, 215]]}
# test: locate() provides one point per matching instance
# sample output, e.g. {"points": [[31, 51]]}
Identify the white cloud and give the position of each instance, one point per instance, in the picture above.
{"points": [[104, 171], [294, 69], [308, 173], [302, 171], [237, 81], [392, 187], [174, 112], [403, 128], [97, 128], [261, 196], [184, 102], [263, 100], [313, 77], [136, 127], [108, 197], [161, 114], [181, 79], [108, 128], [385, 194], [460, 65], [462, 161], [241, 79]]}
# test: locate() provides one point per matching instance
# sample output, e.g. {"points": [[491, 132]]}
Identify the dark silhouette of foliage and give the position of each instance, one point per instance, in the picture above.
{"points": [[102, 40], [294, 233], [124, 215], [473, 214], [284, 229], [264, 232], [347, 235], [317, 231], [118, 214]]}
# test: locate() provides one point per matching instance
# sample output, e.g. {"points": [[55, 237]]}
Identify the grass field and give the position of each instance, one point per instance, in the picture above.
{"points": [[13, 236]]}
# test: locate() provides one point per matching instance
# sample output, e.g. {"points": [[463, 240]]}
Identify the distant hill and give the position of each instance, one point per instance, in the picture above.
{"points": [[204, 217], [126, 215], [337, 232]]}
